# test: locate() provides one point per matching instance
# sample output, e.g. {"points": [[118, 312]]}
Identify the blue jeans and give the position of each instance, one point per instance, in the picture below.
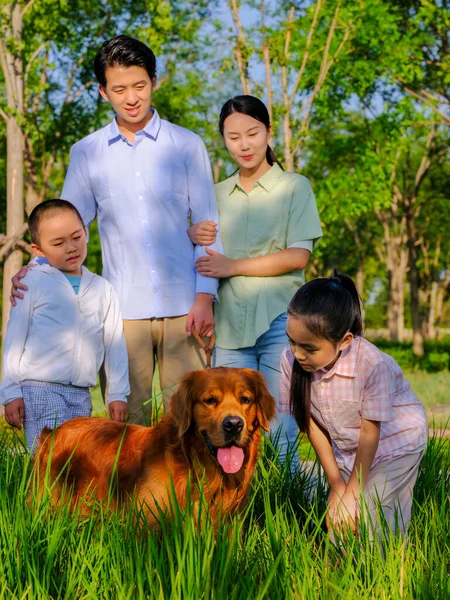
{"points": [[264, 356]]}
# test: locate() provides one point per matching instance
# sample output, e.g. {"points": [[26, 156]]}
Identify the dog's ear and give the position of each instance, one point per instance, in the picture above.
{"points": [[181, 403], [265, 402]]}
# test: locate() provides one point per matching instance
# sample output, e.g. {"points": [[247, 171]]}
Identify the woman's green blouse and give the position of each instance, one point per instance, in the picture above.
{"points": [[279, 210]]}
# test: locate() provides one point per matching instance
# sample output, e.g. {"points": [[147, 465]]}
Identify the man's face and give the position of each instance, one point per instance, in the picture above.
{"points": [[129, 91]]}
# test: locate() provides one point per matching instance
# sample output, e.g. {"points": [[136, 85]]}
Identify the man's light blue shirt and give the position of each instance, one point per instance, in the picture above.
{"points": [[143, 195]]}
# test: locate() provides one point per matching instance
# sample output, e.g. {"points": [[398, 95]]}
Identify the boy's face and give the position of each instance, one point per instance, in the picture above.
{"points": [[129, 91], [62, 240]]}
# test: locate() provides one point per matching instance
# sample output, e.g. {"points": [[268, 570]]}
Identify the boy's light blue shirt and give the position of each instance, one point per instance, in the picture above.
{"points": [[143, 195], [74, 281]]}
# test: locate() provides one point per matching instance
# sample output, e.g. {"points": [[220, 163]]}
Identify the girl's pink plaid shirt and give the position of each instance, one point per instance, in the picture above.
{"points": [[364, 383]]}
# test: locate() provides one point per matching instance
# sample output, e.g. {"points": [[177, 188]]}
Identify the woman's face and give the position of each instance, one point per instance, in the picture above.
{"points": [[246, 139]]}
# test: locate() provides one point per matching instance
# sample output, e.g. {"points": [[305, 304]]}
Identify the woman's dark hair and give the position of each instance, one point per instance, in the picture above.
{"points": [[329, 307], [253, 107], [123, 51], [48, 209]]}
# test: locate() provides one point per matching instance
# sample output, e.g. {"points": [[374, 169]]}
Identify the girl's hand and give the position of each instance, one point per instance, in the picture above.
{"points": [[334, 500], [203, 233], [215, 265], [348, 512]]}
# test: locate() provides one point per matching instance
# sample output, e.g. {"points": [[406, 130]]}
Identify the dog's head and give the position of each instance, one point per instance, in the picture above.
{"points": [[225, 407]]}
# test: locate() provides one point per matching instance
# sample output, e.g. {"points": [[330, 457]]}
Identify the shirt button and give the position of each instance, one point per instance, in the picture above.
{"points": [[141, 197], [153, 271], [137, 173]]}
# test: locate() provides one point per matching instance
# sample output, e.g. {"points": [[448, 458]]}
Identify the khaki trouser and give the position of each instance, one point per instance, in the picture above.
{"points": [[177, 354], [390, 485]]}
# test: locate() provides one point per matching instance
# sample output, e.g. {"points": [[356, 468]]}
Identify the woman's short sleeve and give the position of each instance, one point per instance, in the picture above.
{"points": [[304, 221]]}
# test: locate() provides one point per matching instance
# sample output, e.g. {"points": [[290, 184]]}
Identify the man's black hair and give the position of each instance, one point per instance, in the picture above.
{"points": [[123, 51]]}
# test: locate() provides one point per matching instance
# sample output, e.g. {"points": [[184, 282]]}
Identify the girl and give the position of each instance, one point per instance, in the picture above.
{"points": [[269, 224], [367, 427]]}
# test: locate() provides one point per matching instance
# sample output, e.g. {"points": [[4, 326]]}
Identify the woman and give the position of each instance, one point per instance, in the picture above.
{"points": [[268, 224]]}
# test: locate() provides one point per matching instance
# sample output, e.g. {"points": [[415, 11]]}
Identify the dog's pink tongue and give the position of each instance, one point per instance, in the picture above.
{"points": [[230, 459]]}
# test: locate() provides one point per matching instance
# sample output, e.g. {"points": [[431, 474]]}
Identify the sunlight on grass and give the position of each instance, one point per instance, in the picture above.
{"points": [[278, 548]]}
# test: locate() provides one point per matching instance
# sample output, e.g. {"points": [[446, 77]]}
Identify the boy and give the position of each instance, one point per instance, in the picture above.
{"points": [[144, 178], [58, 336]]}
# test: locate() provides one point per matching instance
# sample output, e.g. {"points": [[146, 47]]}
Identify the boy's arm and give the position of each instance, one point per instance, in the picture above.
{"points": [[116, 356], [16, 335]]}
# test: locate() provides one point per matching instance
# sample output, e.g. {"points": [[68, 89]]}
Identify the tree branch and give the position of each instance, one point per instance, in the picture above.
{"points": [[27, 7], [306, 52], [32, 58]]}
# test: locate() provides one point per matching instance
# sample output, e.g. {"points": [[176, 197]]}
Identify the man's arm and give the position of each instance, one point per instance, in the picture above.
{"points": [[77, 189], [203, 207]]}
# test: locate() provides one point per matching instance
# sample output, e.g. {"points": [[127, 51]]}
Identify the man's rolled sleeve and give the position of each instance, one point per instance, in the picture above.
{"points": [[377, 400], [203, 206]]}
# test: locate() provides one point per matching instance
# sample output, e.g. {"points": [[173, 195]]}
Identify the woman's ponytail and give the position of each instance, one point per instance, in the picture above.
{"points": [[271, 157]]}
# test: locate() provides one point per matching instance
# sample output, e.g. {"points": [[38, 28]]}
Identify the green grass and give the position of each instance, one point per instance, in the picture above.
{"points": [[277, 549]]}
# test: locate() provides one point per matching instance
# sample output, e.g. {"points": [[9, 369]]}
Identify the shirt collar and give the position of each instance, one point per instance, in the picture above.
{"points": [[345, 364], [151, 130], [267, 181]]}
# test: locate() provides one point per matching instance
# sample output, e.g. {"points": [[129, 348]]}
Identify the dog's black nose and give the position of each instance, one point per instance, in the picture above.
{"points": [[232, 425]]}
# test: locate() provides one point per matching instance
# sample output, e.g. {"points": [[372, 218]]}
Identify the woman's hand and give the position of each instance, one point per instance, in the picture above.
{"points": [[215, 265], [203, 233]]}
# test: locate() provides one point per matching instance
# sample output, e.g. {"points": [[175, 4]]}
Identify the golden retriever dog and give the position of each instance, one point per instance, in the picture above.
{"points": [[212, 430]]}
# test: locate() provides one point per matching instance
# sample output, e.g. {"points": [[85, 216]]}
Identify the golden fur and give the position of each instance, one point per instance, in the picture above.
{"points": [[153, 463]]}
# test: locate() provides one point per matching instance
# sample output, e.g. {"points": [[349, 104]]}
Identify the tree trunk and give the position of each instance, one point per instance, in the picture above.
{"points": [[14, 209], [431, 326], [414, 283]]}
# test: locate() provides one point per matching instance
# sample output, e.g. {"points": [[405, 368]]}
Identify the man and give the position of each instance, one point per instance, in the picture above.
{"points": [[143, 178]]}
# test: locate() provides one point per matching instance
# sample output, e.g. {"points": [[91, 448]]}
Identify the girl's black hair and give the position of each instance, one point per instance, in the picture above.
{"points": [[123, 51], [253, 107], [330, 307]]}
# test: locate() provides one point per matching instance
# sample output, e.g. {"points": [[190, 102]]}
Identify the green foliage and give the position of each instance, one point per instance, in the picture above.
{"points": [[435, 359]]}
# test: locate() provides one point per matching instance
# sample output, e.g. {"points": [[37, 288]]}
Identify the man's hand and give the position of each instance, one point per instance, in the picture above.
{"points": [[15, 413], [16, 285], [203, 233], [201, 315], [118, 410], [215, 265]]}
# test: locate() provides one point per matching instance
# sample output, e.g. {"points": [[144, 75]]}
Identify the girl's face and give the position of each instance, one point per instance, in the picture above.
{"points": [[246, 139], [312, 352]]}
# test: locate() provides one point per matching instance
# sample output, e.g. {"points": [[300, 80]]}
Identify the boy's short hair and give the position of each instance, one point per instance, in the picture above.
{"points": [[48, 208], [123, 51]]}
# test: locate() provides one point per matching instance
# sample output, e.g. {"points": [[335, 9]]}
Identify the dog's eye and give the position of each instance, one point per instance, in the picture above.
{"points": [[245, 400], [211, 400]]}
